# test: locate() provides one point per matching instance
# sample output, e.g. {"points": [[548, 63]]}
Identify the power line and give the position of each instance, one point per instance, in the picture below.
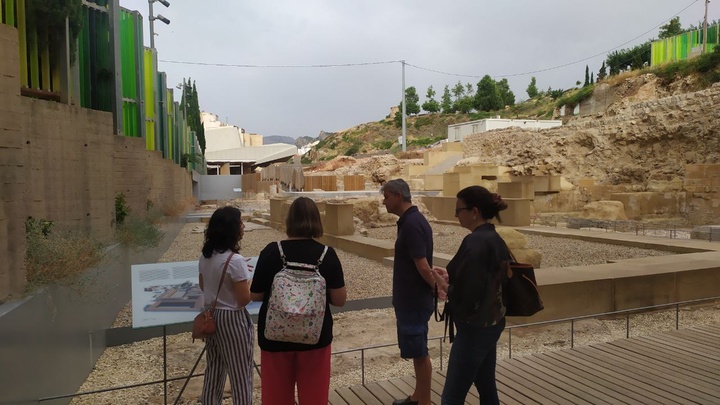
{"points": [[279, 66], [334, 65]]}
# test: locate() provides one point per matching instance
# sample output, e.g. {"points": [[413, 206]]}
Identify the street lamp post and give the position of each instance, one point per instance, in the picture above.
{"points": [[152, 17]]}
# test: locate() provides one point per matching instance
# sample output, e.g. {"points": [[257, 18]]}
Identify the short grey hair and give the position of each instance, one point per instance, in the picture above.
{"points": [[397, 186]]}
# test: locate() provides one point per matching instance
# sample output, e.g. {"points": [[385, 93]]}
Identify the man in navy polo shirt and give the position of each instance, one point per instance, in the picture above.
{"points": [[412, 285]]}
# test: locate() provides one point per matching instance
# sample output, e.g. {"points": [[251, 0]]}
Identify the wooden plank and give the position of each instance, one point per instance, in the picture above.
{"points": [[391, 389], [505, 397], [686, 344], [693, 337], [611, 386], [523, 378], [658, 361], [641, 391], [379, 393], [365, 395], [349, 396], [649, 376], [683, 346], [553, 379], [710, 334], [581, 379], [434, 395], [335, 399], [662, 354], [520, 389], [700, 337]]}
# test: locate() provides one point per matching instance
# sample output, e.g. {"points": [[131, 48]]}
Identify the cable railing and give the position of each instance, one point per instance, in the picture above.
{"points": [[572, 320], [441, 339]]}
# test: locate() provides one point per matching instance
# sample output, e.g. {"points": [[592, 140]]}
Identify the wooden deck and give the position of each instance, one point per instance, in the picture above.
{"points": [[678, 367]]}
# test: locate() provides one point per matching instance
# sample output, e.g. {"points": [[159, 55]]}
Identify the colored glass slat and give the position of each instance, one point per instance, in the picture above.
{"points": [[22, 42]]}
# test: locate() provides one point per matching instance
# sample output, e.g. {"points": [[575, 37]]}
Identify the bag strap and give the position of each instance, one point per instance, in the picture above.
{"points": [[222, 278], [315, 267], [322, 257], [282, 254]]}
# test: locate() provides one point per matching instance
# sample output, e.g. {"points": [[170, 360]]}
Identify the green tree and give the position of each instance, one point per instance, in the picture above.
{"points": [[411, 105], [488, 96], [446, 104], [532, 90], [508, 97], [635, 57], [458, 91], [587, 76], [431, 105], [412, 99], [602, 73], [592, 77], [670, 29], [190, 105]]}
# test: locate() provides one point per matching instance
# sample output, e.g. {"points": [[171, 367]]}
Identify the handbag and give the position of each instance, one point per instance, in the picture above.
{"points": [[204, 322], [521, 296]]}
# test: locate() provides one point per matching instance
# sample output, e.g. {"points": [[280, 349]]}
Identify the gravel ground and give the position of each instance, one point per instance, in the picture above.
{"points": [[142, 361], [556, 252]]}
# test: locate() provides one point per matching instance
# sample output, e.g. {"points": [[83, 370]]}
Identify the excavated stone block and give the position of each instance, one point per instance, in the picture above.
{"points": [[516, 190], [339, 219], [517, 213]]}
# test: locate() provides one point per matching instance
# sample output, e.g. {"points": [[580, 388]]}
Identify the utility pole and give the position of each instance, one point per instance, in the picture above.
{"points": [[404, 131], [704, 48]]}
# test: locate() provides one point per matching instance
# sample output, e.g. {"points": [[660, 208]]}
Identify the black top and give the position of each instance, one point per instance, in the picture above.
{"points": [[269, 264], [477, 276], [414, 241]]}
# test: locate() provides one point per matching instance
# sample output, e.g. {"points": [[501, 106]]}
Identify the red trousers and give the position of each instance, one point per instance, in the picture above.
{"points": [[310, 370]]}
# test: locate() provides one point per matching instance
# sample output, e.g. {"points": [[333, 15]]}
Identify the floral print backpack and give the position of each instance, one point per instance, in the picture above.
{"points": [[296, 307]]}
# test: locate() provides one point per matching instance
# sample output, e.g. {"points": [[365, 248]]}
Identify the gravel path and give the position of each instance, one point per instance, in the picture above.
{"points": [[142, 361]]}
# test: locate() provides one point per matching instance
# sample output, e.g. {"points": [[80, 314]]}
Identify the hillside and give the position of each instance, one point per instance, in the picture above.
{"points": [[602, 100]]}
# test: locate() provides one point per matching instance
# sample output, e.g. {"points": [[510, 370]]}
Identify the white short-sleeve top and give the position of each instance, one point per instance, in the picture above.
{"points": [[211, 270]]}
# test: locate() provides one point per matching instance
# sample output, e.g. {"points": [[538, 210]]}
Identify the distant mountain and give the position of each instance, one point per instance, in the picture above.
{"points": [[304, 140], [268, 140]]}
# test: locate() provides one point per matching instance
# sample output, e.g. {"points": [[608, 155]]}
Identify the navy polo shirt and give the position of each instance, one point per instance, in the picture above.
{"points": [[414, 240]]}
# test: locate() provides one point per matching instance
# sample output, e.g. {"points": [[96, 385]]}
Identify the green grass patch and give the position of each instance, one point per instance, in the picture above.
{"points": [[573, 98]]}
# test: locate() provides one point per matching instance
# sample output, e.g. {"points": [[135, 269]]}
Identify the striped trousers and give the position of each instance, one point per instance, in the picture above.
{"points": [[229, 352]]}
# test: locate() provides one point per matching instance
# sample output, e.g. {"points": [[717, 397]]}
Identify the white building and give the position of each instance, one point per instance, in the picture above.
{"points": [[458, 132], [230, 150]]}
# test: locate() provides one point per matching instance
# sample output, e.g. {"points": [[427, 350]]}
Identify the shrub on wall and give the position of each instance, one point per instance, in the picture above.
{"points": [[58, 257]]}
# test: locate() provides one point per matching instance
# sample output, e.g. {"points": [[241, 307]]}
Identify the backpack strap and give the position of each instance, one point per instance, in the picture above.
{"points": [[322, 257], [282, 254]]}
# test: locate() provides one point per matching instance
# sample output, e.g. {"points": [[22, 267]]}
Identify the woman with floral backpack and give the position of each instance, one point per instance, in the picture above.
{"points": [[285, 362]]}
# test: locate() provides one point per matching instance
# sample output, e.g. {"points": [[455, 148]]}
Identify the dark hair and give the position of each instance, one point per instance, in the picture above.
{"points": [[303, 219], [223, 231], [489, 204]]}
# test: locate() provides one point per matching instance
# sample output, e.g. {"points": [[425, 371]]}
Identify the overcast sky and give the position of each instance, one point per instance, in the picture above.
{"points": [[466, 37]]}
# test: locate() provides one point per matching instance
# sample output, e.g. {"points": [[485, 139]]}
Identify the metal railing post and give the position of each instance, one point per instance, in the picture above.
{"points": [[362, 362], [677, 316], [627, 326], [510, 343], [572, 333], [441, 354]]}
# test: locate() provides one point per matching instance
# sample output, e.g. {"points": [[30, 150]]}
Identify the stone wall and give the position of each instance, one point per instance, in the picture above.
{"points": [[63, 163]]}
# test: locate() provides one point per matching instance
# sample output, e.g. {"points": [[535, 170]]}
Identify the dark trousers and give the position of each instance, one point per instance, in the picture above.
{"points": [[472, 360]]}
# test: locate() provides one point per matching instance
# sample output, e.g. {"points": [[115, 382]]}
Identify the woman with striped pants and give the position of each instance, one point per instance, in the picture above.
{"points": [[230, 349]]}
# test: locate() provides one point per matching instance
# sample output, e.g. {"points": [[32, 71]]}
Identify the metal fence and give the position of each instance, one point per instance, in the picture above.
{"points": [[440, 339]]}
